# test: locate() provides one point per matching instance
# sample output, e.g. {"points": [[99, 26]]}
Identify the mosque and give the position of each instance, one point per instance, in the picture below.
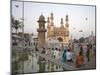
{"points": [[52, 32], [58, 33]]}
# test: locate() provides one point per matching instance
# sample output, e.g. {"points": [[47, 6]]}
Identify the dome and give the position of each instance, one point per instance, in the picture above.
{"points": [[41, 18]]}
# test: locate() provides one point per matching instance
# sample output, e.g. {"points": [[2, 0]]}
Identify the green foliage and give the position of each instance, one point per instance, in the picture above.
{"points": [[82, 40], [16, 24], [76, 41]]}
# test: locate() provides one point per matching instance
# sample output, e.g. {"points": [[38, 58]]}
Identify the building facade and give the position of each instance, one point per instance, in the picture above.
{"points": [[58, 33]]}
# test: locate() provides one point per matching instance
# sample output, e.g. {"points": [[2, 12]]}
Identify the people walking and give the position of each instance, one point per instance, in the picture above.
{"points": [[48, 52], [79, 60], [42, 62], [54, 53], [81, 49], [64, 56], [88, 53], [57, 53], [94, 50], [69, 56], [43, 51]]}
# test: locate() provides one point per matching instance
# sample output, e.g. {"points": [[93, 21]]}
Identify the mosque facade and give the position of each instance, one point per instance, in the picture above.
{"points": [[58, 33]]}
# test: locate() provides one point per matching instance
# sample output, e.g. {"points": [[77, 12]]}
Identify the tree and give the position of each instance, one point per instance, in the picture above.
{"points": [[82, 40], [75, 41], [16, 24]]}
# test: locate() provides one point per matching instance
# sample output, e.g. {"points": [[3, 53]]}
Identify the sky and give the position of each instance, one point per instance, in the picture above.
{"points": [[80, 17]]}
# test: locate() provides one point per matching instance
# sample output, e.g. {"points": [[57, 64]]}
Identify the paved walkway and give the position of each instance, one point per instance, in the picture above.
{"points": [[66, 66]]}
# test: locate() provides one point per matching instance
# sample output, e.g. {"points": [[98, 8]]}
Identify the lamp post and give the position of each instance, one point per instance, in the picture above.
{"points": [[22, 31], [17, 6], [16, 52]]}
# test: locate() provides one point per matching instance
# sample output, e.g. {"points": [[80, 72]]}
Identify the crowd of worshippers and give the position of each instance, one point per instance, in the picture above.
{"points": [[68, 55]]}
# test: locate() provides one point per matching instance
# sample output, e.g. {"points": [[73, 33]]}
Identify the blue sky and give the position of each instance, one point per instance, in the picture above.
{"points": [[77, 16]]}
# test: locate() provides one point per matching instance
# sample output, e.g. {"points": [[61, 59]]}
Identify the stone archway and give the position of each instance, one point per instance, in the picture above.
{"points": [[60, 39]]}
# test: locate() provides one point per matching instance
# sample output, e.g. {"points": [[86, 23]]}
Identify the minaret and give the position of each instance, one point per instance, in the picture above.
{"points": [[48, 22], [41, 30], [66, 20], [67, 28], [48, 27], [67, 25], [52, 18], [62, 22]]}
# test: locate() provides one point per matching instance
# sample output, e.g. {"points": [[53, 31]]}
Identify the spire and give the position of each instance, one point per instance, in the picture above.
{"points": [[66, 20], [48, 21], [62, 22], [52, 16], [51, 19]]}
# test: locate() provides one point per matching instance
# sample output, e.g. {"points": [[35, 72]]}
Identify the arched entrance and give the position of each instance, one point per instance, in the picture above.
{"points": [[60, 39]]}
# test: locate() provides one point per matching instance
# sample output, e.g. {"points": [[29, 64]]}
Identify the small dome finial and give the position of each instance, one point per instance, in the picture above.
{"points": [[62, 21], [67, 17], [41, 17], [52, 16]]}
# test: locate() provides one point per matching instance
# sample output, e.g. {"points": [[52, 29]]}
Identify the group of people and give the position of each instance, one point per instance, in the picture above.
{"points": [[67, 55], [57, 53], [80, 57], [53, 52]]}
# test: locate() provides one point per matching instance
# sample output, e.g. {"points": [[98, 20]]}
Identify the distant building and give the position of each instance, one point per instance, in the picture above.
{"points": [[58, 33], [17, 39], [52, 43], [35, 41], [27, 39], [92, 38]]}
